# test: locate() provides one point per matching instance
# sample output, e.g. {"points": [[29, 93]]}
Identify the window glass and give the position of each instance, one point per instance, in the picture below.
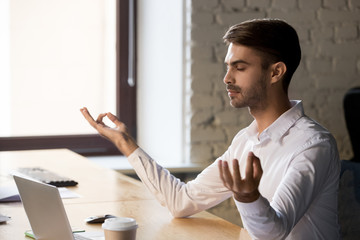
{"points": [[57, 56]]}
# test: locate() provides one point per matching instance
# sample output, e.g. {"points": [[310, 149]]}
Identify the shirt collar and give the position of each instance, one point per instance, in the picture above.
{"points": [[281, 125]]}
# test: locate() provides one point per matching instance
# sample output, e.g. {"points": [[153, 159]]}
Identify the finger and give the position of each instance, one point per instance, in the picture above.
{"points": [[227, 175], [84, 112], [236, 172], [88, 116], [249, 166], [257, 169], [114, 119], [100, 118], [221, 173]]}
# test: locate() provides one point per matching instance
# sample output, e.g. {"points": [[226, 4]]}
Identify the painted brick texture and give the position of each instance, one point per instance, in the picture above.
{"points": [[329, 32]]}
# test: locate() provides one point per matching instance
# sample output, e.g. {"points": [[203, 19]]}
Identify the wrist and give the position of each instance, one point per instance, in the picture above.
{"points": [[247, 197], [129, 150], [126, 145]]}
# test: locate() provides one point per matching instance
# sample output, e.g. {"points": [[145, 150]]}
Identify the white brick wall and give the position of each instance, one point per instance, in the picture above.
{"points": [[329, 32], [330, 40]]}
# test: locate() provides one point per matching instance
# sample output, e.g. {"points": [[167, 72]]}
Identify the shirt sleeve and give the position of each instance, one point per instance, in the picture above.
{"points": [[312, 174], [182, 199]]}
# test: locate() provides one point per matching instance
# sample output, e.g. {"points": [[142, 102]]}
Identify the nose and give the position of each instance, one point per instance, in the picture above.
{"points": [[228, 78]]}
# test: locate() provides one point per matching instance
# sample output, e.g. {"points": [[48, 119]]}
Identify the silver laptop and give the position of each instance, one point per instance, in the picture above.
{"points": [[45, 211]]}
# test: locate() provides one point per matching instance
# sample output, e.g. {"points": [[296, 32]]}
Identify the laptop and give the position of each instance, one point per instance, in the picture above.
{"points": [[46, 213]]}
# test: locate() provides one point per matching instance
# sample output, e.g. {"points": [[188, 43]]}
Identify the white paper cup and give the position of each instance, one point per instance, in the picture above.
{"points": [[120, 228]]}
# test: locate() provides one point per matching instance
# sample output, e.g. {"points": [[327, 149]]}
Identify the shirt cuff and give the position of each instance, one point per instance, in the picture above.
{"points": [[134, 154], [134, 157], [258, 207], [140, 160]]}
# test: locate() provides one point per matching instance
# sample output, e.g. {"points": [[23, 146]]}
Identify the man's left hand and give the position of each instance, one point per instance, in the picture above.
{"points": [[244, 189]]}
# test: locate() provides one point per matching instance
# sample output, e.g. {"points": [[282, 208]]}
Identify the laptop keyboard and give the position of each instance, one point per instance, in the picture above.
{"points": [[47, 177]]}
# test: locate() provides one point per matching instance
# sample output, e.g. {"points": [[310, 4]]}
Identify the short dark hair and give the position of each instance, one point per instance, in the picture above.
{"points": [[275, 38]]}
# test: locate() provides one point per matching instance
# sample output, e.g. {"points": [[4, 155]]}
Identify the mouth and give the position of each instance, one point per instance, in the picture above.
{"points": [[232, 93], [232, 90]]}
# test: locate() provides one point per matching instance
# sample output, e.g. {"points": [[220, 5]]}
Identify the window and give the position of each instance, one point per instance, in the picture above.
{"points": [[61, 56]]}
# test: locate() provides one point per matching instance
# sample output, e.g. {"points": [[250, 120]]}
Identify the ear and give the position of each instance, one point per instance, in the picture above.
{"points": [[278, 72]]}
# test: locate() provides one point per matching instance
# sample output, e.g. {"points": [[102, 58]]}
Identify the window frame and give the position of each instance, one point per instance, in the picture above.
{"points": [[94, 144]]}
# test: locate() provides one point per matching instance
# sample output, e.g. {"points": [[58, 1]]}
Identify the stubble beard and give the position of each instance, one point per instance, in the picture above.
{"points": [[254, 98]]}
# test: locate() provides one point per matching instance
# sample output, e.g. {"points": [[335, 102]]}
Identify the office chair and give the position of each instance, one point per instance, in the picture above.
{"points": [[349, 187], [352, 118]]}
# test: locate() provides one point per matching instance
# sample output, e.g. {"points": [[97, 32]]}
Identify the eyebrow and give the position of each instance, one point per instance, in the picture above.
{"points": [[233, 63]]}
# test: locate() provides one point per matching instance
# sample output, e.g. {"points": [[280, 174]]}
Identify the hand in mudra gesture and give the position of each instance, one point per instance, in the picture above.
{"points": [[117, 135], [244, 189]]}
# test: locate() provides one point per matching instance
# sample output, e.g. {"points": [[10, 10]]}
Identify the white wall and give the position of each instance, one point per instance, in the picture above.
{"points": [[159, 78]]}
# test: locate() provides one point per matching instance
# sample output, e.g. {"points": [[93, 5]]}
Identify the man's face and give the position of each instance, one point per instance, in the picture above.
{"points": [[246, 81]]}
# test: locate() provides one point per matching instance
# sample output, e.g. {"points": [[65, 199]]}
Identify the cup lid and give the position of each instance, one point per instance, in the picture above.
{"points": [[119, 224]]}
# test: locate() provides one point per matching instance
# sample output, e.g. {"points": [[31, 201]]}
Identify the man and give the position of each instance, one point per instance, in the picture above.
{"points": [[282, 170]]}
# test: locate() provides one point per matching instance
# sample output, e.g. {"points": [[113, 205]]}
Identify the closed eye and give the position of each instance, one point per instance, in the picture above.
{"points": [[240, 68], [239, 65]]}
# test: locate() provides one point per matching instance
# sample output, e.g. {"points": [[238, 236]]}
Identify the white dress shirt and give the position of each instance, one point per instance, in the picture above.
{"points": [[298, 188]]}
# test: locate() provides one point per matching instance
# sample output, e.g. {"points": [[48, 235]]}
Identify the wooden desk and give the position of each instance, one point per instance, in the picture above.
{"points": [[91, 177], [105, 191]]}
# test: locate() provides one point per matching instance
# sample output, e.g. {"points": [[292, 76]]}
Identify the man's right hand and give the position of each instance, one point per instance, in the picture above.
{"points": [[117, 135]]}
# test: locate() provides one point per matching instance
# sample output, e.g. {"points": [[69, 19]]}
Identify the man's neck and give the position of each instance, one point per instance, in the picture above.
{"points": [[266, 116]]}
